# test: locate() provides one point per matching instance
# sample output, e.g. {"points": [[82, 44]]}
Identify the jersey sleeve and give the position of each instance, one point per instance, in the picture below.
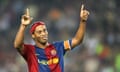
{"points": [[24, 52], [63, 46]]}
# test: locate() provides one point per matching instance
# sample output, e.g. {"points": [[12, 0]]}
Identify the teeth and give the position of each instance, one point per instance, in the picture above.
{"points": [[45, 38]]}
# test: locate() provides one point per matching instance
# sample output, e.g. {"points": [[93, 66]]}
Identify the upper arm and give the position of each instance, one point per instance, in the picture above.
{"points": [[75, 42], [22, 49]]}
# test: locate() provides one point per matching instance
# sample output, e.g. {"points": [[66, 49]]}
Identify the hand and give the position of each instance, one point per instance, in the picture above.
{"points": [[26, 19], [84, 13]]}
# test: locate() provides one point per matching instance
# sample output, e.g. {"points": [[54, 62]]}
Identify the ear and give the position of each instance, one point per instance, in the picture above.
{"points": [[33, 36]]}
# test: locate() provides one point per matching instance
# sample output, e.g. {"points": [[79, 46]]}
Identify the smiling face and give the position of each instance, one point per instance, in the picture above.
{"points": [[40, 34]]}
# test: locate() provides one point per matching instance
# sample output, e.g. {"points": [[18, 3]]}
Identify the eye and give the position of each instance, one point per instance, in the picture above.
{"points": [[38, 32], [44, 30]]}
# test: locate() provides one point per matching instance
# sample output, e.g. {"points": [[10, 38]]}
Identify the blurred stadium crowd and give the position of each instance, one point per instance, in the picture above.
{"points": [[100, 50]]}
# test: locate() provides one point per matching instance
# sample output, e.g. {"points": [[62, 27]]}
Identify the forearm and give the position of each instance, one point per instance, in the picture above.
{"points": [[81, 30], [19, 40], [77, 39]]}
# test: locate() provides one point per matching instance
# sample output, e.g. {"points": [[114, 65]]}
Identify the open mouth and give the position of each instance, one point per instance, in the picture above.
{"points": [[45, 38]]}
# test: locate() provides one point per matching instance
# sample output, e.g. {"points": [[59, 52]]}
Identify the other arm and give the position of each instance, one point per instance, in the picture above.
{"points": [[77, 39], [25, 21]]}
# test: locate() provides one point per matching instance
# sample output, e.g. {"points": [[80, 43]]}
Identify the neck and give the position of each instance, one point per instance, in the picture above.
{"points": [[40, 45]]}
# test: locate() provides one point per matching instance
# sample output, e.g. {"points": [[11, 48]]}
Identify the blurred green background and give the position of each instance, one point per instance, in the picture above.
{"points": [[100, 50]]}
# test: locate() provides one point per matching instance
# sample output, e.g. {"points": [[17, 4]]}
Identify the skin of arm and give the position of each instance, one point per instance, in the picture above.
{"points": [[77, 39], [25, 21]]}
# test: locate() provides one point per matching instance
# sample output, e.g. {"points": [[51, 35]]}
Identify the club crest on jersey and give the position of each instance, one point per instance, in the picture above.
{"points": [[53, 52]]}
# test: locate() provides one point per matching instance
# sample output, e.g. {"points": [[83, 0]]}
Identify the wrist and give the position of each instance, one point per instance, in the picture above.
{"points": [[83, 20], [23, 25]]}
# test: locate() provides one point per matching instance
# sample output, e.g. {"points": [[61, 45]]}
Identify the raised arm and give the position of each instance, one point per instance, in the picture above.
{"points": [[25, 21], [77, 39]]}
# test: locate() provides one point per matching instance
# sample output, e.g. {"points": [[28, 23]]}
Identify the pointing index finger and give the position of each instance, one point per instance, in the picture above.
{"points": [[27, 12], [82, 7]]}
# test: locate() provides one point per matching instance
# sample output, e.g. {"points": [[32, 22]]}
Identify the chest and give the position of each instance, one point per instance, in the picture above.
{"points": [[47, 56], [47, 53]]}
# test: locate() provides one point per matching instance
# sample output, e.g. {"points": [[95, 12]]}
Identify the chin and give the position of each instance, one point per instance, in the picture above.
{"points": [[43, 42]]}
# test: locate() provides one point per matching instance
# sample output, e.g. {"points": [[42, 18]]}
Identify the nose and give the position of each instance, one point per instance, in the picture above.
{"points": [[43, 33]]}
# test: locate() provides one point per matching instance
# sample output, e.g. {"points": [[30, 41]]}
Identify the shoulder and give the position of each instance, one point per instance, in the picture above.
{"points": [[28, 47], [58, 43]]}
